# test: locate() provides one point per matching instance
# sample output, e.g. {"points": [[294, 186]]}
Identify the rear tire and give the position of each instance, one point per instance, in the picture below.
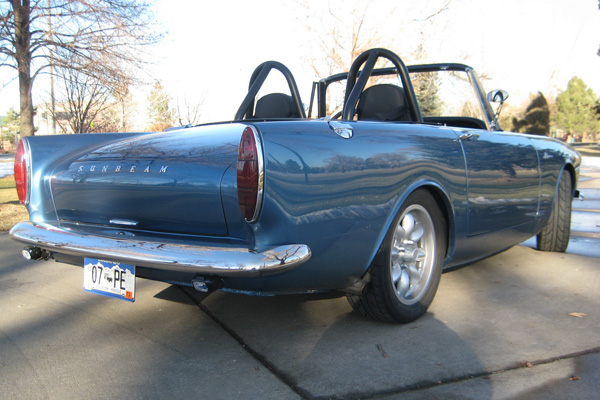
{"points": [[555, 235], [406, 272]]}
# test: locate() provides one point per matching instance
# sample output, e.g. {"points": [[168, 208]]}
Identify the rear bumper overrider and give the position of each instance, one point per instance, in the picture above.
{"points": [[226, 261]]}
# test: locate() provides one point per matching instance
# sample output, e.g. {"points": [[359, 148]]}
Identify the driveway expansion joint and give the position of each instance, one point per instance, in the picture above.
{"points": [[484, 374], [282, 376], [356, 395]]}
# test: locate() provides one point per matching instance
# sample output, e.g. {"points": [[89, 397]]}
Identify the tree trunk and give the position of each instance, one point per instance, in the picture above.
{"points": [[22, 44], [27, 127]]}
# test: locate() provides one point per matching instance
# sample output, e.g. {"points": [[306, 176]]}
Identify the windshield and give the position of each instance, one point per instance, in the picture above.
{"points": [[444, 92]]}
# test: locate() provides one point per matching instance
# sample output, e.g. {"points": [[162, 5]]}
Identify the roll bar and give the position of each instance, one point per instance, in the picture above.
{"points": [[357, 81], [256, 81]]}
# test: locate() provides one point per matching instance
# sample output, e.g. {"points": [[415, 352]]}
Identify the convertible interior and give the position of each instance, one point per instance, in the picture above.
{"points": [[369, 95]]}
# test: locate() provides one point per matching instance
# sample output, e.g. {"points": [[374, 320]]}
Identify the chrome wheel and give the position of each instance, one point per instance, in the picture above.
{"points": [[413, 254], [405, 274]]}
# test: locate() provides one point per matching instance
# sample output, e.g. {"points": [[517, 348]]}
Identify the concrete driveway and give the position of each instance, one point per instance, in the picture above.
{"points": [[521, 324]]}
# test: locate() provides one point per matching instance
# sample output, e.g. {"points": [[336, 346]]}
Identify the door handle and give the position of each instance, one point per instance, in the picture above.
{"points": [[468, 136]]}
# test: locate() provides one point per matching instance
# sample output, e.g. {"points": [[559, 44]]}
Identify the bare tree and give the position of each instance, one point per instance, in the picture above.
{"points": [[113, 118], [96, 38], [343, 31], [124, 108], [84, 97], [116, 114], [188, 113], [437, 12]]}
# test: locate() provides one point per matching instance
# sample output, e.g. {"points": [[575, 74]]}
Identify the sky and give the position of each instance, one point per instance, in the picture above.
{"points": [[211, 48]]}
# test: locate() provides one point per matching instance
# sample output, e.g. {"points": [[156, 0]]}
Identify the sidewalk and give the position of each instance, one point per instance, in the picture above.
{"points": [[6, 164]]}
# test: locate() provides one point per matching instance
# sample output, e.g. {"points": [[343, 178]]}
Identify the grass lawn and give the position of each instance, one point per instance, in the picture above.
{"points": [[11, 211]]}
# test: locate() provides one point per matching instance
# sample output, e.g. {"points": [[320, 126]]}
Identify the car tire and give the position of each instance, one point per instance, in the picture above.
{"points": [[406, 272], [555, 234]]}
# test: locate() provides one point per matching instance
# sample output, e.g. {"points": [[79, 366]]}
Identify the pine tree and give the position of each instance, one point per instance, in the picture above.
{"points": [[537, 117], [10, 125], [426, 89], [159, 110], [577, 109]]}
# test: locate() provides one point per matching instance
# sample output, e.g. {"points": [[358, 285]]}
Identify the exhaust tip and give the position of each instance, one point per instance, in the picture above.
{"points": [[34, 253], [205, 285]]}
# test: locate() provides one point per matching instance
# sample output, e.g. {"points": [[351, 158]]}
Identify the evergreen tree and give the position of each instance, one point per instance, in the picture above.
{"points": [[577, 109], [10, 125], [426, 89], [537, 117], [159, 110]]}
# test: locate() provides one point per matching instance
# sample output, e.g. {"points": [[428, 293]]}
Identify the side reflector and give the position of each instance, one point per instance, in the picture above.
{"points": [[21, 171], [250, 174]]}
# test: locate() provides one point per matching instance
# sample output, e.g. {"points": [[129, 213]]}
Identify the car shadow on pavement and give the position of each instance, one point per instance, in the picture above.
{"points": [[59, 342], [323, 349], [497, 315], [507, 312]]}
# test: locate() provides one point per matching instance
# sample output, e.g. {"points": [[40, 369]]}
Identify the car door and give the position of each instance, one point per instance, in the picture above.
{"points": [[503, 180]]}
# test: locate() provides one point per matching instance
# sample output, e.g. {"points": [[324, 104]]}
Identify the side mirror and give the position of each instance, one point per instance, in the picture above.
{"points": [[497, 96]]}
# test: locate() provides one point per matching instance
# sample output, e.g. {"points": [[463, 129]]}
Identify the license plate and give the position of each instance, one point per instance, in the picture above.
{"points": [[109, 279]]}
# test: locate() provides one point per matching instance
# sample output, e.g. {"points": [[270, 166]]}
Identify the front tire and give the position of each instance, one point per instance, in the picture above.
{"points": [[555, 235], [406, 272]]}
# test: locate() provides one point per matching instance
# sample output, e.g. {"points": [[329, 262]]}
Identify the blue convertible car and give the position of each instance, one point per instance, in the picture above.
{"points": [[395, 174]]}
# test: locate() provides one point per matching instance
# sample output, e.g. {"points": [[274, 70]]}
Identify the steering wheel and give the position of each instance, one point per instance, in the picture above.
{"points": [[357, 81]]}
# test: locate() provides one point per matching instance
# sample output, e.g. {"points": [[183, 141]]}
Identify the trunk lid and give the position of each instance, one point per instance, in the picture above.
{"points": [[162, 182]]}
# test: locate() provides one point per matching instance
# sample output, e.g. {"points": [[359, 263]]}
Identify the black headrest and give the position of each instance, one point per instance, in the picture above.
{"points": [[383, 102], [276, 105]]}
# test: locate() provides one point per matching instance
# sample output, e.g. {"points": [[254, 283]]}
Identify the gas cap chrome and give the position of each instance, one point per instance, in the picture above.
{"points": [[341, 129]]}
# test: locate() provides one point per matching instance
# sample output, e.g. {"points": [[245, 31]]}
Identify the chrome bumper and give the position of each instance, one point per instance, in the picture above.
{"points": [[221, 261]]}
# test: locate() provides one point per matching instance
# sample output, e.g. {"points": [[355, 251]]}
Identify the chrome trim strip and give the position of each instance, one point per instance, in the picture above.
{"points": [[127, 222], [227, 261]]}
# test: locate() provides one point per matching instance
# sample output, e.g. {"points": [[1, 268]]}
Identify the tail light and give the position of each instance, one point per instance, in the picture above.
{"points": [[250, 174], [22, 172]]}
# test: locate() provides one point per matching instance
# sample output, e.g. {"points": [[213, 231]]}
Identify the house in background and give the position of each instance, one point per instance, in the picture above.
{"points": [[44, 124]]}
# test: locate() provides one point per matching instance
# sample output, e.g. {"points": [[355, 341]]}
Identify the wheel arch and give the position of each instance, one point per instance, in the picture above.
{"points": [[385, 292], [568, 168], [572, 173], [443, 201]]}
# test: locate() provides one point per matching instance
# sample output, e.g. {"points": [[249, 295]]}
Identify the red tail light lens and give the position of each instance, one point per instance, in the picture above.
{"points": [[21, 171], [250, 174]]}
